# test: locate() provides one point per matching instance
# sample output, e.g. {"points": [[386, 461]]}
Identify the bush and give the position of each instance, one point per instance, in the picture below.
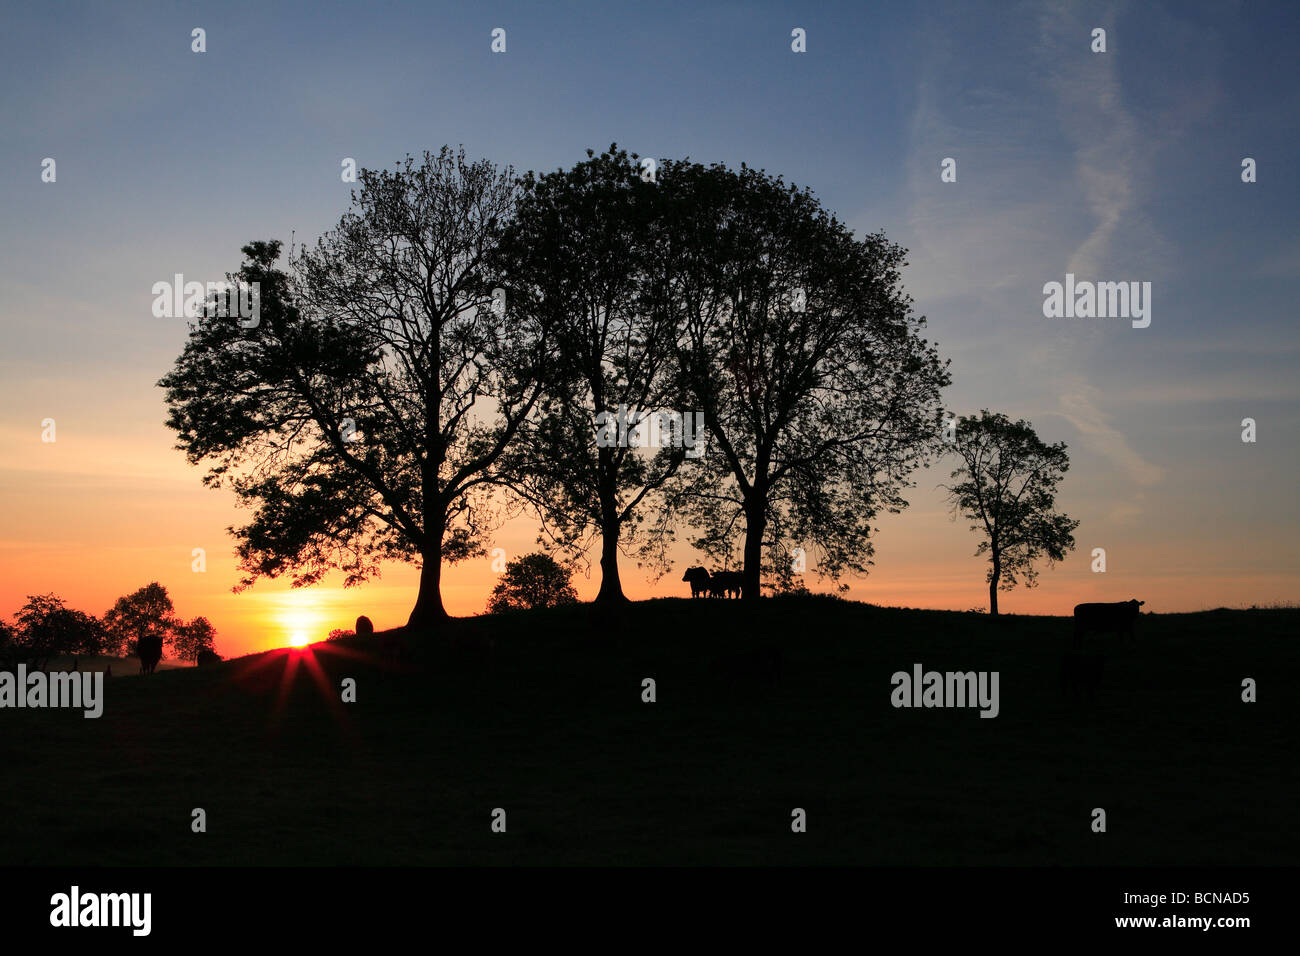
{"points": [[535, 580]]}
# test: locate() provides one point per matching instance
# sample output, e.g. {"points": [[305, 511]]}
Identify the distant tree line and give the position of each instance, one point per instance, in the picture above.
{"points": [[45, 628], [450, 354]]}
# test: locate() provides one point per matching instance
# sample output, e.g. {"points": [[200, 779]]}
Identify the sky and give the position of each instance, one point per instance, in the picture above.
{"points": [[1123, 165]]}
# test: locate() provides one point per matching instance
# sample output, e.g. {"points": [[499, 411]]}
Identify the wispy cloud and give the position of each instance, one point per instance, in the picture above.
{"points": [[1107, 153], [1080, 406]]}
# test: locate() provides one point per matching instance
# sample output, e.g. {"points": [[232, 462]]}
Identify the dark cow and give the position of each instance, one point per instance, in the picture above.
{"points": [[364, 628], [1117, 618], [699, 579], [149, 650], [726, 583], [207, 657]]}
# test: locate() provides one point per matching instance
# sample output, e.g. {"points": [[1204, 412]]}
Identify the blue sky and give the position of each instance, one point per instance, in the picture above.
{"points": [[1122, 165]]}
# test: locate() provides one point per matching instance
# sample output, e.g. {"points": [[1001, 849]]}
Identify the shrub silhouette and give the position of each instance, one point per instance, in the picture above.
{"points": [[535, 580]]}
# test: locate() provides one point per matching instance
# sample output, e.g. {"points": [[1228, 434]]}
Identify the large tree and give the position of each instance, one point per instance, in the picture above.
{"points": [[1006, 486], [363, 416], [800, 347], [582, 253]]}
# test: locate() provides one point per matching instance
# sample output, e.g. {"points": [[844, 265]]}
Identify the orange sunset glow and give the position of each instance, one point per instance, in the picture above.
{"points": [[110, 506]]}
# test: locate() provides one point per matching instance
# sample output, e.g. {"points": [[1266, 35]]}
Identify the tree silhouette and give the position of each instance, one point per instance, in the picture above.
{"points": [[1007, 489], [192, 639], [9, 652], [532, 581], [146, 613], [801, 349], [47, 628], [364, 415], [581, 252]]}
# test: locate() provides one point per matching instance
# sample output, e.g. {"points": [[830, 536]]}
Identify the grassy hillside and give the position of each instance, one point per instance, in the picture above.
{"points": [[121, 666], [757, 713]]}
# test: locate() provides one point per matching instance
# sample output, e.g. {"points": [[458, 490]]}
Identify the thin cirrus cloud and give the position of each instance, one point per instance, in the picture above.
{"points": [[1080, 406]]}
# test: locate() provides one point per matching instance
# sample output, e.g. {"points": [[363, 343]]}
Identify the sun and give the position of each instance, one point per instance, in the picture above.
{"points": [[302, 624]]}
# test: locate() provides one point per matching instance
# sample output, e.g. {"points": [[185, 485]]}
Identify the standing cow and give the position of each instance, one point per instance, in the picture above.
{"points": [[149, 650], [699, 579], [726, 583], [1117, 618]]}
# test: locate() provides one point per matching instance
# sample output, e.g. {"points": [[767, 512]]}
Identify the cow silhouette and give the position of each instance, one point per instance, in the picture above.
{"points": [[699, 580], [364, 628], [149, 650], [1117, 618], [726, 583]]}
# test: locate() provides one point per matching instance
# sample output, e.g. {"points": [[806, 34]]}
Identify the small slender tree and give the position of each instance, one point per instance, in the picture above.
{"points": [[1006, 486]]}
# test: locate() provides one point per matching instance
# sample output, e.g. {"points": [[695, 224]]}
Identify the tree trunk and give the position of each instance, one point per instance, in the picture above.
{"points": [[755, 526], [993, 588], [611, 587], [428, 612]]}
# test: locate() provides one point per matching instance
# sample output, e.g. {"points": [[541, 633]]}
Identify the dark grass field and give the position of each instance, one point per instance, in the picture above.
{"points": [[551, 727]]}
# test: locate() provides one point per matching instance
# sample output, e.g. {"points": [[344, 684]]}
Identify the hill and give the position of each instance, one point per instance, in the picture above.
{"points": [[121, 666], [757, 712]]}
